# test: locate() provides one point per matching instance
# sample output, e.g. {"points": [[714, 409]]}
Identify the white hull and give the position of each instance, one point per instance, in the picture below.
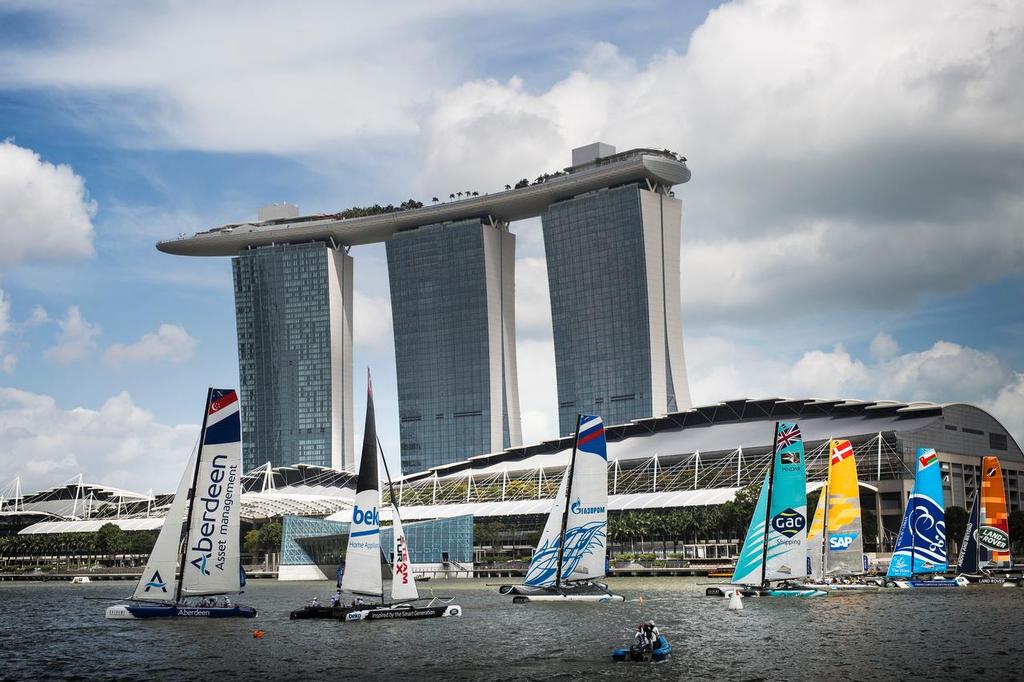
{"points": [[601, 598]]}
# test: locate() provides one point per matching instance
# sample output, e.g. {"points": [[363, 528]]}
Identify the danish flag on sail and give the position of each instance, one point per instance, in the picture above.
{"points": [[843, 450]]}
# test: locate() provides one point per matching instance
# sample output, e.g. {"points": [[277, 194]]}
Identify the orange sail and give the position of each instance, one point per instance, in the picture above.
{"points": [[994, 533]]}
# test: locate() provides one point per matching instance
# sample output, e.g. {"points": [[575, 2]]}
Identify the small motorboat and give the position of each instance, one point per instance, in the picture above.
{"points": [[80, 580], [636, 654]]}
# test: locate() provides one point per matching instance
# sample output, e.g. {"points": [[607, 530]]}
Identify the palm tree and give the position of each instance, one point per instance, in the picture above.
{"points": [[460, 194], [451, 196], [508, 187], [435, 200], [476, 194]]}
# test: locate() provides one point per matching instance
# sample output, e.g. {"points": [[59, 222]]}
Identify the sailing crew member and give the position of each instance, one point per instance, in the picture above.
{"points": [[314, 602], [336, 598]]}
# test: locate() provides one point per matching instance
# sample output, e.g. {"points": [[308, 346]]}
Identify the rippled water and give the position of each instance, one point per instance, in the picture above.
{"points": [[47, 630]]}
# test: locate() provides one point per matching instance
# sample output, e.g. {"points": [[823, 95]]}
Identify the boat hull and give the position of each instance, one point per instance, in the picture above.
{"points": [[660, 652], [402, 612], [840, 588], [324, 612], [780, 592], [148, 611], [586, 592], [941, 583]]}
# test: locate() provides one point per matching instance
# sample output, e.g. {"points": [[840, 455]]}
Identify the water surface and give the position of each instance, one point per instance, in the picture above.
{"points": [[48, 630]]}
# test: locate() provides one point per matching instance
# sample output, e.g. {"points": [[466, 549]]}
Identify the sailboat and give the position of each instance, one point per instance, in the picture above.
{"points": [[835, 542], [197, 551], [775, 549], [362, 577], [986, 543], [570, 555], [921, 543]]}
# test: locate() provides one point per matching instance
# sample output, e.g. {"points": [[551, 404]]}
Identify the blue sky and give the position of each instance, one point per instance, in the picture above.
{"points": [[853, 227]]}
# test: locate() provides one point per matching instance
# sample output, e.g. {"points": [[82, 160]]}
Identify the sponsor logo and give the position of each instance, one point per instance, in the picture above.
{"points": [[156, 582], [212, 514], [365, 517], [789, 522], [578, 508], [994, 538], [927, 459], [792, 457], [840, 542], [990, 472]]}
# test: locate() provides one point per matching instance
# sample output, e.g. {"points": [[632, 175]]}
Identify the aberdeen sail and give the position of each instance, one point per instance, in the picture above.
{"points": [[921, 543], [196, 556], [570, 556], [775, 549], [362, 578], [835, 542]]}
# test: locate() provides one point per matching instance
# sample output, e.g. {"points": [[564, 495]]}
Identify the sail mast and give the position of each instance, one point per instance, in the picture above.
{"points": [[824, 527], [768, 508], [568, 495], [179, 577]]}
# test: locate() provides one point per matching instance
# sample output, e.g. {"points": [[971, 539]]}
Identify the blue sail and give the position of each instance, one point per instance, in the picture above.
{"points": [[750, 561], [786, 520], [968, 559], [921, 544]]}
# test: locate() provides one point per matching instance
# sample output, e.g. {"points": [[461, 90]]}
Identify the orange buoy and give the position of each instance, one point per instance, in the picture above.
{"points": [[258, 634]]}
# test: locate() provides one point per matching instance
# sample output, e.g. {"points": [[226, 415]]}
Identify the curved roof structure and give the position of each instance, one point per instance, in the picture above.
{"points": [[637, 165]]}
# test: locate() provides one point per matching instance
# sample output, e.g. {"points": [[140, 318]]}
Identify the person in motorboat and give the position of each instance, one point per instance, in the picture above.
{"points": [[642, 640], [652, 632]]}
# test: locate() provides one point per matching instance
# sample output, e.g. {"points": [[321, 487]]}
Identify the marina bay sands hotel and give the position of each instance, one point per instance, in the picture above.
{"points": [[611, 227]]}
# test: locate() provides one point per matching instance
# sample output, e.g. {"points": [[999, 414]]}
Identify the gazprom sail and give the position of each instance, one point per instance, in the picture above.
{"points": [[921, 543], [775, 548], [570, 554]]}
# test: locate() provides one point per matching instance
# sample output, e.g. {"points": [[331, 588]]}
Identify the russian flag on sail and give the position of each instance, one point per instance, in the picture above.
{"points": [[592, 436]]}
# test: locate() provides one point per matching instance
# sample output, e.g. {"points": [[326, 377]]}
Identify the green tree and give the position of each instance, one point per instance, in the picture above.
{"points": [[956, 525], [111, 540]]}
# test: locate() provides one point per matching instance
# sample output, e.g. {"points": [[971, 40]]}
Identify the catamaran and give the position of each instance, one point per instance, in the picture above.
{"points": [[986, 543], [362, 577], [921, 543], [570, 555], [199, 558], [775, 549], [835, 542]]}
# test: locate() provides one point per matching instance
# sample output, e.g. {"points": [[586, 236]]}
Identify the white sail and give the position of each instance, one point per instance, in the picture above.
{"points": [[212, 550], [586, 528], [543, 566], [403, 584], [159, 580], [362, 559]]}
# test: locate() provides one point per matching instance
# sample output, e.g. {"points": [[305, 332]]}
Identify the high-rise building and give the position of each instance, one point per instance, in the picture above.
{"points": [[293, 308], [613, 275], [452, 303]]}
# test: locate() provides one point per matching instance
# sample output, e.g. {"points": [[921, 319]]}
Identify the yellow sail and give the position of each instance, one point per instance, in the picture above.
{"points": [[844, 539], [815, 537]]}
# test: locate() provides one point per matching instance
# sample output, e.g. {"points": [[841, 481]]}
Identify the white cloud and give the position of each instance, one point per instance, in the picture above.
{"points": [[538, 393], [9, 362], [371, 319], [77, 338], [119, 444], [45, 211], [170, 343], [883, 346], [1008, 407]]}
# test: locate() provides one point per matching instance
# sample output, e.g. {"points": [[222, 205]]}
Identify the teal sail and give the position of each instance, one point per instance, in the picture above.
{"points": [[749, 565], [921, 543], [781, 512]]}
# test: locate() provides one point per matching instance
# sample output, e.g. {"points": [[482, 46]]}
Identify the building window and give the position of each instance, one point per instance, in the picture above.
{"points": [[976, 432], [951, 427], [997, 441]]}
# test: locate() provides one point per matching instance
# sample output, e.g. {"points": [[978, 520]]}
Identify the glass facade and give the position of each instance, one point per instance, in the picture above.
{"points": [[452, 305], [617, 333], [294, 354], [306, 541]]}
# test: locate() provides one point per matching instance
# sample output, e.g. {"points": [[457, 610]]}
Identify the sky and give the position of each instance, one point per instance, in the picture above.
{"points": [[854, 226]]}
